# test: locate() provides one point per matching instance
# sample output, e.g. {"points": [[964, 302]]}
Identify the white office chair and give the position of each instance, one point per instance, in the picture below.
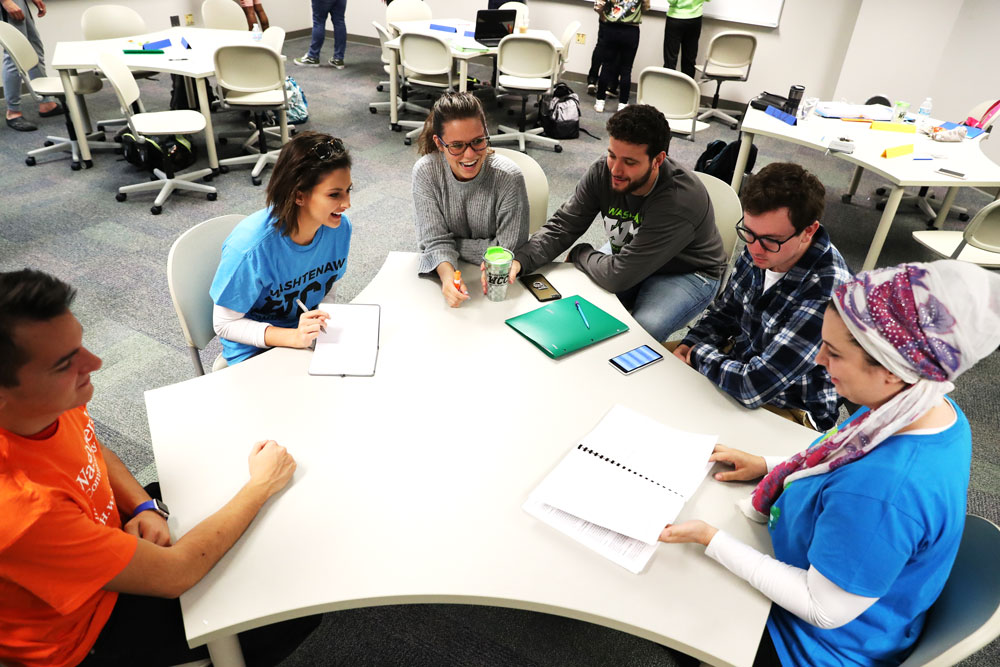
{"points": [[978, 244], [568, 36], [730, 55], [966, 617], [536, 184], [402, 100], [426, 59], [521, 9], [677, 97], [728, 211], [406, 10], [154, 123], [223, 15], [24, 57], [528, 66], [251, 77], [191, 265]]}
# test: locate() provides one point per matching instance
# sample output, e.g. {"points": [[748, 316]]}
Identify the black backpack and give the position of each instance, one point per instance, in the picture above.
{"points": [[170, 153], [559, 113], [719, 160]]}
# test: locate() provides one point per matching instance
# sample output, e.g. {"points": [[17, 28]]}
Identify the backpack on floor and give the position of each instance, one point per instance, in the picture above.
{"points": [[559, 113], [719, 160], [171, 153], [298, 108]]}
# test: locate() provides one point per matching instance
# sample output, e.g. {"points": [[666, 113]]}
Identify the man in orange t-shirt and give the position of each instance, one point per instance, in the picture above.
{"points": [[78, 584]]}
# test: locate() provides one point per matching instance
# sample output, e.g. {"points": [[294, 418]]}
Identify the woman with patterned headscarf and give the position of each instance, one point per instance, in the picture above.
{"points": [[866, 522]]}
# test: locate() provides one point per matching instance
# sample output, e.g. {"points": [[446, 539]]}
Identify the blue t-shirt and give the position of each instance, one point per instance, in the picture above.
{"points": [[262, 272], [886, 526]]}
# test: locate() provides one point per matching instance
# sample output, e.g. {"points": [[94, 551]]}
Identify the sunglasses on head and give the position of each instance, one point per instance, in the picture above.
{"points": [[328, 150]]}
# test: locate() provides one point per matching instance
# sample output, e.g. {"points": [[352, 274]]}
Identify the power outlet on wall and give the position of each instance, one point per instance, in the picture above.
{"points": [[581, 38], [189, 19]]}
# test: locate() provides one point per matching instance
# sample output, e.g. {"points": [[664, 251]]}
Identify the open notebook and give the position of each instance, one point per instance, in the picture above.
{"points": [[350, 344], [627, 479]]}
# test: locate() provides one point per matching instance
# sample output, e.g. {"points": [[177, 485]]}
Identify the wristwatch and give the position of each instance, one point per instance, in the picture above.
{"points": [[155, 505]]}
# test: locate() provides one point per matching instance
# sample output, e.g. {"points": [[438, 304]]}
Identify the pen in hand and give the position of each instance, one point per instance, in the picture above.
{"points": [[584, 317], [301, 305]]}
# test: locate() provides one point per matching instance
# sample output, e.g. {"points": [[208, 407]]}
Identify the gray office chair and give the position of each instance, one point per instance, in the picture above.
{"points": [[402, 101], [978, 244], [535, 182], [528, 67], [426, 59], [730, 55], [191, 265], [966, 617], [676, 95], [728, 211]]}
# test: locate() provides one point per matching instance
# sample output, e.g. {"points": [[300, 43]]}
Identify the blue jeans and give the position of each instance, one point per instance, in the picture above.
{"points": [[335, 10], [663, 303], [11, 77]]}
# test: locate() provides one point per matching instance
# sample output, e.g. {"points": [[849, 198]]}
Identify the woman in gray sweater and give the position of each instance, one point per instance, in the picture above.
{"points": [[465, 197]]}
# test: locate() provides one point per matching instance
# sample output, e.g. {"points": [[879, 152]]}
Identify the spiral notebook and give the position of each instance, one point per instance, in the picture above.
{"points": [[625, 480]]}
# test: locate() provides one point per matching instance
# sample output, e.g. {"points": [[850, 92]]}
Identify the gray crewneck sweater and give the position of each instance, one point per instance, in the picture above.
{"points": [[460, 219]]}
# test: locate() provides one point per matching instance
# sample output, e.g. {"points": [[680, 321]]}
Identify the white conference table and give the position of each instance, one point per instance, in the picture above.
{"points": [[410, 483], [198, 62], [462, 57], [817, 132]]}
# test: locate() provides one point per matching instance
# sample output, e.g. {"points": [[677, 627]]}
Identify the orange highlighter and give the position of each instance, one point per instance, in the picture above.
{"points": [[457, 281]]}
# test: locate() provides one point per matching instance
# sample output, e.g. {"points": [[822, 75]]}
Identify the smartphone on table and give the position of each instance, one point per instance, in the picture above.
{"points": [[540, 287], [633, 360]]}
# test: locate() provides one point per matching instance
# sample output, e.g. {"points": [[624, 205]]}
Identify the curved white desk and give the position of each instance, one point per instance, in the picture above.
{"points": [[409, 483], [965, 156]]}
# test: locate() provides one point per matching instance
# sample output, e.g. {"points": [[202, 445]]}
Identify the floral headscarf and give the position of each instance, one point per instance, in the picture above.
{"points": [[927, 324]]}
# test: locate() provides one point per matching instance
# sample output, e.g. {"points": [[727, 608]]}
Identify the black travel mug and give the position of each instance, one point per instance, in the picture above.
{"points": [[794, 97]]}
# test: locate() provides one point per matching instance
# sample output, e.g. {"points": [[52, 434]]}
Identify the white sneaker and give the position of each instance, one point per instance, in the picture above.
{"points": [[622, 105], [599, 106]]}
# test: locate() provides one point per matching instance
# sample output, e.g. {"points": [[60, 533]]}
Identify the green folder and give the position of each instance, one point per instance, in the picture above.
{"points": [[558, 329]]}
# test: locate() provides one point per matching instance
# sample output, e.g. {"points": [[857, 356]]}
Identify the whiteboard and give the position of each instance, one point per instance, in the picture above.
{"points": [[754, 12]]}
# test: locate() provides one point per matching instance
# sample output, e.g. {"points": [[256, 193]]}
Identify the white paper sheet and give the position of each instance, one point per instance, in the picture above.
{"points": [[350, 344]]}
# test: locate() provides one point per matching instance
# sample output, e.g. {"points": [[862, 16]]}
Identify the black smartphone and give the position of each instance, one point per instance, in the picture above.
{"points": [[953, 174], [538, 285], [633, 360]]}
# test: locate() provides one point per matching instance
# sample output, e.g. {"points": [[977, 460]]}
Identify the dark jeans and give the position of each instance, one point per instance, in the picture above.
{"points": [[616, 47], [149, 631], [335, 10], [681, 35]]}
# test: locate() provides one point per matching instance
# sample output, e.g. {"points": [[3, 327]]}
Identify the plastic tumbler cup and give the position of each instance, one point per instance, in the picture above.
{"points": [[498, 261]]}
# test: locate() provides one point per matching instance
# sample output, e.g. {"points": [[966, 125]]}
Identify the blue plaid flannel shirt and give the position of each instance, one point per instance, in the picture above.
{"points": [[775, 335]]}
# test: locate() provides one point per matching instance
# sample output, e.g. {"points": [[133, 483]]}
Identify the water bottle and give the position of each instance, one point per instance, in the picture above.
{"points": [[925, 107], [256, 34]]}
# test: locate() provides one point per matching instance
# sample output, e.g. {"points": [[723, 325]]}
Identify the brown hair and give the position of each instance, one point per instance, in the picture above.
{"points": [[302, 163], [784, 184], [449, 107], [641, 125], [26, 296]]}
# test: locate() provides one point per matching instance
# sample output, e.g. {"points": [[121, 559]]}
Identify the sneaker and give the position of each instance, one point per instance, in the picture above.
{"points": [[612, 93], [599, 106], [336, 62], [622, 105], [307, 61], [592, 89], [21, 124]]}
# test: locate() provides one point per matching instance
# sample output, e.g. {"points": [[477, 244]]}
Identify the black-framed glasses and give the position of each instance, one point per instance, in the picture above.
{"points": [[328, 150], [456, 148], [766, 242]]}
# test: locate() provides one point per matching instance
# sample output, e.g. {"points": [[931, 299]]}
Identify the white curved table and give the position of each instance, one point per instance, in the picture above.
{"points": [[409, 483]]}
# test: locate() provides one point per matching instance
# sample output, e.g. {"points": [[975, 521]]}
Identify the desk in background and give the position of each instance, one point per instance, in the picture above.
{"points": [[410, 483], [903, 171]]}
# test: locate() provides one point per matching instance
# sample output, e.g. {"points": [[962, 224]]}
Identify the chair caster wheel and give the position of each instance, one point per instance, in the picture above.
{"points": [[373, 110], [75, 166], [30, 161], [121, 196], [156, 210], [881, 192], [212, 196], [845, 199], [256, 180], [510, 112], [223, 170], [733, 126], [558, 148], [223, 140], [964, 217], [380, 88], [396, 128], [49, 143], [407, 141], [208, 179], [88, 164], [880, 206]]}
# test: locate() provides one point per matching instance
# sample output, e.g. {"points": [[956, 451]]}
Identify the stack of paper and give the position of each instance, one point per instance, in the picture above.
{"points": [[625, 481], [350, 344]]}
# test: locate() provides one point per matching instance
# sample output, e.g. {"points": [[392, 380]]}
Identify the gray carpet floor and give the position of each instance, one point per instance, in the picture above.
{"points": [[68, 223]]}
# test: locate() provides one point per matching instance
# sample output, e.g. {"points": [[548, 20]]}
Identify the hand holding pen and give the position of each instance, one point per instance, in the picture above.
{"points": [[311, 324]]}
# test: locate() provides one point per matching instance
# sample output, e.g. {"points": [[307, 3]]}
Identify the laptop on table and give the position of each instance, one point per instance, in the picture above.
{"points": [[492, 25]]}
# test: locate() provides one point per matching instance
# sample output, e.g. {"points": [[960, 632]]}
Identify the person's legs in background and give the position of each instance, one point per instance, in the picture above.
{"points": [[663, 303], [337, 9], [258, 9], [320, 10], [609, 44], [628, 46], [690, 33], [671, 42], [595, 69], [12, 78]]}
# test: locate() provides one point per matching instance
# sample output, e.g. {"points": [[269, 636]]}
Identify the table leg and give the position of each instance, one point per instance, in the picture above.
{"points": [[206, 111], [463, 75], [891, 204], [741, 160], [73, 106], [942, 214], [855, 180], [226, 652], [393, 87]]}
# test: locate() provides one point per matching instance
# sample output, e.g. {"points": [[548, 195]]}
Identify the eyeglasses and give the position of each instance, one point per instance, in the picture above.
{"points": [[766, 242], [478, 144], [328, 150]]}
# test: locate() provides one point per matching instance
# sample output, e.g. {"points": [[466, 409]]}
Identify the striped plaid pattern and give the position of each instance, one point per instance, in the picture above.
{"points": [[775, 336]]}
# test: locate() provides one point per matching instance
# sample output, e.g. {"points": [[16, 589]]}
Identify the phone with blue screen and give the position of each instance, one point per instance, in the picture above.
{"points": [[633, 360]]}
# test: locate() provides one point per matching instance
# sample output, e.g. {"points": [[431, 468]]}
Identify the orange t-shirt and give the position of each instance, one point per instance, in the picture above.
{"points": [[61, 541]]}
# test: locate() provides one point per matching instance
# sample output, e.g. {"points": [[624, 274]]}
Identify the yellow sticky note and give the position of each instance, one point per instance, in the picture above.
{"points": [[894, 127], [898, 150]]}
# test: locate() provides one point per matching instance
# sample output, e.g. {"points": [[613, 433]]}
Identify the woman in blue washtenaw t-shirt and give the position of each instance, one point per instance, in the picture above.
{"points": [[293, 250], [866, 522]]}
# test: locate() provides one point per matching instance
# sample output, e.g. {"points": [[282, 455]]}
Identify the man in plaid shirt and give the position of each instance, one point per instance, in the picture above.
{"points": [[758, 339]]}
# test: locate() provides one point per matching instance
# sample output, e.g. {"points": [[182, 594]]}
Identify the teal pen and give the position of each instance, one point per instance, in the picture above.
{"points": [[580, 310]]}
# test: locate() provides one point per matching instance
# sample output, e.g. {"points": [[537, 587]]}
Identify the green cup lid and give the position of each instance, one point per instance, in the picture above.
{"points": [[497, 255]]}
